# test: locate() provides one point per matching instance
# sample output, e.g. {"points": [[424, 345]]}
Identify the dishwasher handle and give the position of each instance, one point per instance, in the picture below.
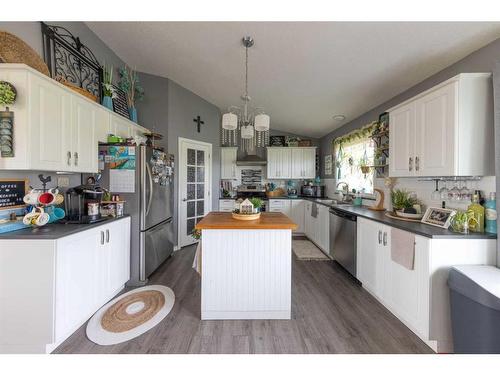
{"points": [[343, 215]]}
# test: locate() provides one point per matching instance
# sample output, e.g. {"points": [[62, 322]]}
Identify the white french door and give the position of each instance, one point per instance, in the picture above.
{"points": [[195, 181]]}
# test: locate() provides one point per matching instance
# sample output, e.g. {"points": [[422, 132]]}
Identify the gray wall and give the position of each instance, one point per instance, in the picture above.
{"points": [[482, 60]]}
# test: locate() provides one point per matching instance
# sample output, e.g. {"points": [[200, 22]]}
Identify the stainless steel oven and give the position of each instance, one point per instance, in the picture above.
{"points": [[343, 232]]}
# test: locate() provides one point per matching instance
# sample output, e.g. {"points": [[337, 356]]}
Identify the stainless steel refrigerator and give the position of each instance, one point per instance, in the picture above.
{"points": [[150, 204]]}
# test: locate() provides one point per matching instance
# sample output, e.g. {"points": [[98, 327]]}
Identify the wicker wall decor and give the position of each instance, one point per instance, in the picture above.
{"points": [[15, 50]]}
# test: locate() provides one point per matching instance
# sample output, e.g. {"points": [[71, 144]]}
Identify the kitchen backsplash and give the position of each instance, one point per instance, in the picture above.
{"points": [[423, 190]]}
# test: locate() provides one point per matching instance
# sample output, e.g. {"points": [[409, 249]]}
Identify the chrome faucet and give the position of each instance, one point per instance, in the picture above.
{"points": [[345, 191]]}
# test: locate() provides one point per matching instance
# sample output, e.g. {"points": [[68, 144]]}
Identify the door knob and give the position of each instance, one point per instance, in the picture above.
{"points": [[184, 199]]}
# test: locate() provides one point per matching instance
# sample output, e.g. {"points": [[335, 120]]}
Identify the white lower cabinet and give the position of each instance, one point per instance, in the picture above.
{"points": [[280, 205], [297, 214], [317, 228], [83, 271], [418, 297], [226, 205]]}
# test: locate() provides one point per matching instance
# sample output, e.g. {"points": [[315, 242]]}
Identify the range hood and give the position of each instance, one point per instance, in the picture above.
{"points": [[251, 159]]}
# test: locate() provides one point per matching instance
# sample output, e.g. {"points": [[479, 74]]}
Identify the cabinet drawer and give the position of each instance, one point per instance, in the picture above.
{"points": [[226, 205]]}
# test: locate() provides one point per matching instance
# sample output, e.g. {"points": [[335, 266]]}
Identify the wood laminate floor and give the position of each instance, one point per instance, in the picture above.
{"points": [[331, 313]]}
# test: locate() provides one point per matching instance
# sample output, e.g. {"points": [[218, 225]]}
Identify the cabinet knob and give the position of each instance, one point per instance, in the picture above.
{"points": [[385, 239], [417, 163], [379, 237], [76, 159], [69, 158], [107, 235], [102, 237], [410, 164]]}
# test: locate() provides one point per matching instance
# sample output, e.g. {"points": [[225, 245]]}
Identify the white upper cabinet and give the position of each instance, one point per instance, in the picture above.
{"points": [[228, 163], [55, 128], [50, 130], [84, 145], [291, 162], [445, 131], [401, 143], [303, 162]]}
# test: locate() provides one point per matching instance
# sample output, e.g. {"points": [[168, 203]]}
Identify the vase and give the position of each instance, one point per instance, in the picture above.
{"points": [[107, 102], [133, 114]]}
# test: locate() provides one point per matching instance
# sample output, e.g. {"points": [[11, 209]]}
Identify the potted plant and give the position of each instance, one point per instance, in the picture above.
{"points": [[460, 221], [107, 87], [363, 165], [129, 83], [257, 203], [403, 200]]}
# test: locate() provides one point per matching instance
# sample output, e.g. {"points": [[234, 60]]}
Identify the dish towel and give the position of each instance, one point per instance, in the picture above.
{"points": [[314, 210], [197, 259], [403, 248]]}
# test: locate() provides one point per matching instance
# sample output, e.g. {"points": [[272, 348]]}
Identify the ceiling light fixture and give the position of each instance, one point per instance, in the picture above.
{"points": [[339, 117], [253, 124]]}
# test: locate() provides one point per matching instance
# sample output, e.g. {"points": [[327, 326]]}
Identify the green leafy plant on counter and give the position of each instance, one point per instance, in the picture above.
{"points": [[402, 199], [7, 93], [257, 203]]}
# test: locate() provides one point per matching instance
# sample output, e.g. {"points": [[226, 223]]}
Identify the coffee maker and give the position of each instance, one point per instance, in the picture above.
{"points": [[83, 203]]}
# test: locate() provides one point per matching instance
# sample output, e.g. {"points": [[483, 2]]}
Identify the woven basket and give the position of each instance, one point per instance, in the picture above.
{"points": [[15, 50], [275, 193], [77, 89]]}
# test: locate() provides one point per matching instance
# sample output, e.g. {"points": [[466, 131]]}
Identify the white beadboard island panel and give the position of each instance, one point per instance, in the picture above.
{"points": [[246, 274]]}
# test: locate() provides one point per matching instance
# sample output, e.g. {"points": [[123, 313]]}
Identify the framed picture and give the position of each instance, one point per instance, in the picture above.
{"points": [[277, 141], [439, 217], [328, 165]]}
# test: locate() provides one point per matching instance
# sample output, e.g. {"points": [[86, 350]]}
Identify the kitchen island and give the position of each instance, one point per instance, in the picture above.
{"points": [[246, 266]]}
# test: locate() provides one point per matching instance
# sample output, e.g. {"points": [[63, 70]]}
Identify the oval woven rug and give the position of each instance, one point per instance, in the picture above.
{"points": [[130, 315]]}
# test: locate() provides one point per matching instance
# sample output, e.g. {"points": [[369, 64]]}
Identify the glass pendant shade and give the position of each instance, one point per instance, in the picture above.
{"points": [[246, 132], [262, 122], [229, 121]]}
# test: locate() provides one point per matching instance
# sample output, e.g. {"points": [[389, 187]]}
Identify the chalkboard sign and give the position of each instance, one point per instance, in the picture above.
{"points": [[120, 105], [277, 141], [12, 192]]}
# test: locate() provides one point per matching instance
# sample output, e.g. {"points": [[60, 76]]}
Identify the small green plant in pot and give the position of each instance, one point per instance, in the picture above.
{"points": [[257, 203], [403, 200]]}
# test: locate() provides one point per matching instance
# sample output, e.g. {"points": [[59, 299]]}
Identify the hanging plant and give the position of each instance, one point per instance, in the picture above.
{"points": [[365, 132]]}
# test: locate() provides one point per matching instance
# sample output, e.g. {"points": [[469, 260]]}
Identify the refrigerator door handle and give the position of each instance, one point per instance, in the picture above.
{"points": [[150, 178]]}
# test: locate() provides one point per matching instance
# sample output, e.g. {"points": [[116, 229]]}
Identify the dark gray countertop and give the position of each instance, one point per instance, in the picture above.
{"points": [[417, 228], [53, 231]]}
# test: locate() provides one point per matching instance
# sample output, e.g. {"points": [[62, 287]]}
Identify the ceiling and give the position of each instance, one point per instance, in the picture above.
{"points": [[301, 73]]}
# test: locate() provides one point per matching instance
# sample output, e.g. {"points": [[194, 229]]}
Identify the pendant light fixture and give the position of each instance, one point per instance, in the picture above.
{"points": [[253, 124]]}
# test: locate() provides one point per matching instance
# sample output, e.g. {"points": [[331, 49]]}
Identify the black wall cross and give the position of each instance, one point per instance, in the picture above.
{"points": [[198, 122]]}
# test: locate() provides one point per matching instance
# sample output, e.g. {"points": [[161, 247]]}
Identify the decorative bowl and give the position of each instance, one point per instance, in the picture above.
{"points": [[400, 213]]}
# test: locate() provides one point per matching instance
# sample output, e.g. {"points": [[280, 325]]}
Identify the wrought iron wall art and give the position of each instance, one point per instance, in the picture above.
{"points": [[7, 133], [67, 57]]}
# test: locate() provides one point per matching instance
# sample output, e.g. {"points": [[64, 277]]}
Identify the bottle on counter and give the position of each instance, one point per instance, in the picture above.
{"points": [[490, 214], [476, 211]]}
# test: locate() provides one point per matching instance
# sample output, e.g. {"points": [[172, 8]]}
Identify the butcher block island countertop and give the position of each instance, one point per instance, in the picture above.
{"points": [[267, 220], [246, 267]]}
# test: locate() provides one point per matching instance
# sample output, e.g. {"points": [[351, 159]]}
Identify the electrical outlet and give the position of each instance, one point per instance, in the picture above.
{"points": [[63, 181]]}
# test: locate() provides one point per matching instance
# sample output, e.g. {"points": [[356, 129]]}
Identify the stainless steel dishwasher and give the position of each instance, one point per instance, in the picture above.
{"points": [[343, 239]]}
